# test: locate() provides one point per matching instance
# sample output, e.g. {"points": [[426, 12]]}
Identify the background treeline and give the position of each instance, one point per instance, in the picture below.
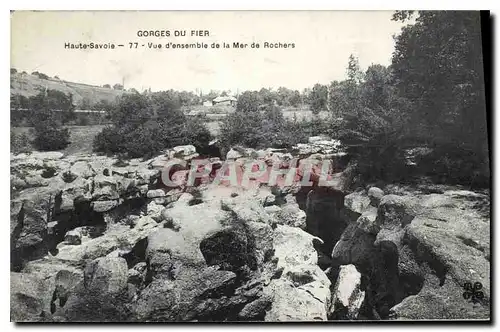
{"points": [[429, 104], [422, 115]]}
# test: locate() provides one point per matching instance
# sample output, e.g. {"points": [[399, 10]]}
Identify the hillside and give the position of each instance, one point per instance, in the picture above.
{"points": [[29, 85]]}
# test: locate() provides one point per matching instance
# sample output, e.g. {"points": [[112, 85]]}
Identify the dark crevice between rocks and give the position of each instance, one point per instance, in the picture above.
{"points": [[131, 206], [137, 254], [16, 255], [208, 151], [232, 249], [81, 215], [387, 279], [325, 218], [424, 256]]}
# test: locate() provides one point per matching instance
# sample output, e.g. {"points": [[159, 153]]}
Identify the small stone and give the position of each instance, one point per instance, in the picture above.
{"points": [[375, 194], [156, 193], [73, 237], [104, 206]]}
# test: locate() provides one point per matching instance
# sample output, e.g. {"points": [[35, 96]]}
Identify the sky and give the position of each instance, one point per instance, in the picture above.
{"points": [[323, 42]]}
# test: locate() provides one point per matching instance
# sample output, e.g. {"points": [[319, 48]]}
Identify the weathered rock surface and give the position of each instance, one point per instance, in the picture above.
{"points": [[418, 248], [100, 239], [106, 275], [347, 296], [30, 297]]}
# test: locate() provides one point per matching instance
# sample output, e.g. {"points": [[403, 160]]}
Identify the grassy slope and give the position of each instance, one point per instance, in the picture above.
{"points": [[29, 85], [81, 138]]}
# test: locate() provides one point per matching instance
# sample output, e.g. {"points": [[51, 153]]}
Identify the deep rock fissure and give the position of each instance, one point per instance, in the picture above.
{"points": [[384, 286], [81, 215]]}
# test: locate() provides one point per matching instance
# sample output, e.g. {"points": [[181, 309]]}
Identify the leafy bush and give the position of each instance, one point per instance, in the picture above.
{"points": [[51, 138], [452, 164], [145, 125], [108, 140], [48, 132], [40, 75], [267, 129], [241, 128], [19, 143]]}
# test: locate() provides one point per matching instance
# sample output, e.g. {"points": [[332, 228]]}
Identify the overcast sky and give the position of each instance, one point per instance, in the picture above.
{"points": [[323, 42]]}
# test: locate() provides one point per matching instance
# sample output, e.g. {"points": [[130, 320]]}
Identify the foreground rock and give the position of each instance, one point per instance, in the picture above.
{"points": [[417, 251], [98, 239], [347, 295]]}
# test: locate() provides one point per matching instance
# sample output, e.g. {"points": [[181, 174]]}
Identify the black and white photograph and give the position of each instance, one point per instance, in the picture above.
{"points": [[250, 166]]}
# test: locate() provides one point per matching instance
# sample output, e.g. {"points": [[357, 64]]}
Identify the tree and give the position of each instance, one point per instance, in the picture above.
{"points": [[318, 98], [249, 101], [103, 105], [287, 97], [210, 95], [47, 128], [267, 96], [143, 125], [40, 75], [13, 71], [118, 86], [377, 92], [85, 104], [107, 86], [354, 74], [438, 68]]}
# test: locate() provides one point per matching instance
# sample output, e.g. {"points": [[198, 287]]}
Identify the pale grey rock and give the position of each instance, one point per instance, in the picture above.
{"points": [[347, 296]]}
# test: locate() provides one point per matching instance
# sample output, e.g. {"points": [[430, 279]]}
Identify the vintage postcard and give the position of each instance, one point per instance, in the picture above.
{"points": [[249, 166]]}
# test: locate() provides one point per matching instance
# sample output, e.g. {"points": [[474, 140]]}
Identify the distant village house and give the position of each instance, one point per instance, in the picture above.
{"points": [[227, 100]]}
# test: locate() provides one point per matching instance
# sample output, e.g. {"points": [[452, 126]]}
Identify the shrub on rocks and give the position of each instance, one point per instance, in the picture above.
{"points": [[256, 129], [19, 143], [50, 137], [145, 125]]}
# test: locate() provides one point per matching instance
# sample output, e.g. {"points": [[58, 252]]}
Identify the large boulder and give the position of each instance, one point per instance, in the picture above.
{"points": [[233, 154], [182, 244], [30, 214], [357, 202], [30, 297], [116, 237], [304, 303], [355, 246], [106, 275], [183, 151], [375, 194], [82, 169], [194, 294], [302, 292]]}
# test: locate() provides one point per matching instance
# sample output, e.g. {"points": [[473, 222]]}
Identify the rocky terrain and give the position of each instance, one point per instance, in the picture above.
{"points": [[95, 238]]}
